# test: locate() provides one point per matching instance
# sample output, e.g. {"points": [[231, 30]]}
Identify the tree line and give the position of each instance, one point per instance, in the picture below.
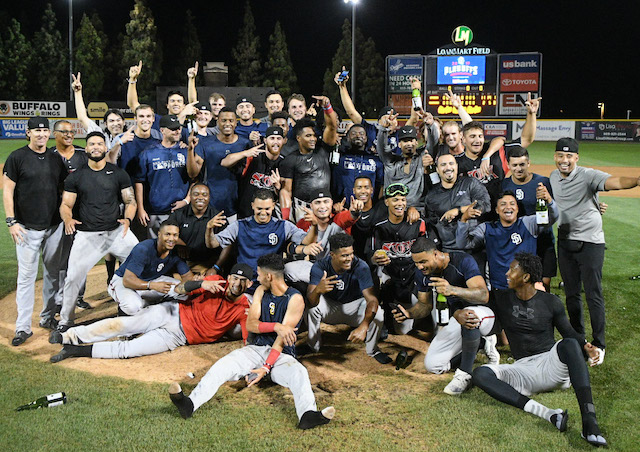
{"points": [[37, 66]]}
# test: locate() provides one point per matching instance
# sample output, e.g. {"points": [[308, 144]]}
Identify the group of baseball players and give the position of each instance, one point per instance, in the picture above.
{"points": [[226, 225]]}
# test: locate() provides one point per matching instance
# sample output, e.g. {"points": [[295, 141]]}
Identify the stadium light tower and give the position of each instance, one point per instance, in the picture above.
{"points": [[601, 107], [70, 47], [353, 47]]}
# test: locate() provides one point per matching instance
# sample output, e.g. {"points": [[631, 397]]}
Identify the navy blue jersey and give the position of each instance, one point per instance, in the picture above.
{"points": [[222, 183], [273, 309], [350, 167], [129, 152], [164, 170], [350, 284], [462, 267], [255, 239], [244, 131], [143, 261]]}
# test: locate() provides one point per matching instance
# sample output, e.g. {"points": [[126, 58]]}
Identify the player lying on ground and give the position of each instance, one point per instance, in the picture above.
{"points": [[274, 316], [529, 317], [214, 307]]}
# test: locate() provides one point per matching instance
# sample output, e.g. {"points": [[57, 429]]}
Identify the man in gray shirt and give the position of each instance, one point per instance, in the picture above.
{"points": [[580, 235]]}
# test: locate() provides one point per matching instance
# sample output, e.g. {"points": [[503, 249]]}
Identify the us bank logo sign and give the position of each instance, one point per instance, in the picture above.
{"points": [[462, 36]]}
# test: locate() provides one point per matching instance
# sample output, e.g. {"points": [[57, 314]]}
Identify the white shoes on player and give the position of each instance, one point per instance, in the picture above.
{"points": [[460, 383], [490, 349]]}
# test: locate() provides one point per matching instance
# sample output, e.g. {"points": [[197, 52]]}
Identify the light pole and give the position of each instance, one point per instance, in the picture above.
{"points": [[353, 47], [70, 47], [601, 107]]}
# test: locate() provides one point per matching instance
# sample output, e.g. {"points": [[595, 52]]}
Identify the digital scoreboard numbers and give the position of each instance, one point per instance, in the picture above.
{"points": [[477, 100]]}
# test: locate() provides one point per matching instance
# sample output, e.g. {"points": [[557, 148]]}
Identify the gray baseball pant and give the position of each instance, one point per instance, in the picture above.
{"points": [[87, 250], [159, 324], [131, 301], [287, 372], [352, 314], [49, 242]]}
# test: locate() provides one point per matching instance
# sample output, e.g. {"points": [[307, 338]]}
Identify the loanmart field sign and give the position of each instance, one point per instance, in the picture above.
{"points": [[28, 108]]}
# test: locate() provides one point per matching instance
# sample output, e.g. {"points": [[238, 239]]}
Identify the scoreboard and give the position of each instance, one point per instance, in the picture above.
{"points": [[489, 84]]}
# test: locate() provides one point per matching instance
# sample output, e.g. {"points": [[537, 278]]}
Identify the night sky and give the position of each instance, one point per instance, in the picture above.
{"points": [[589, 48]]}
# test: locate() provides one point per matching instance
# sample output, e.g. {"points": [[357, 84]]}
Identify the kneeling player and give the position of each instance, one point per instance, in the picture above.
{"points": [[274, 316], [542, 364], [211, 310]]}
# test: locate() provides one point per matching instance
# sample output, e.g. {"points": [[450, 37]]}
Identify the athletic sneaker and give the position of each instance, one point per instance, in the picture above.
{"points": [[490, 349], [460, 383], [83, 304], [181, 401], [311, 419]]}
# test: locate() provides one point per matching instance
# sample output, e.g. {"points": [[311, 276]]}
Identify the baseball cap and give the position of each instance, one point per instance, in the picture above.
{"points": [[242, 270], [171, 122], [395, 190], [38, 122], [274, 130], [320, 193], [567, 145], [243, 99], [203, 106], [385, 111], [407, 132]]}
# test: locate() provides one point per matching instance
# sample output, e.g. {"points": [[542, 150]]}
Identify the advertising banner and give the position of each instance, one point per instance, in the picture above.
{"points": [[28, 108], [514, 103], [608, 131], [519, 81], [11, 128], [547, 130], [497, 129], [522, 62], [400, 69]]}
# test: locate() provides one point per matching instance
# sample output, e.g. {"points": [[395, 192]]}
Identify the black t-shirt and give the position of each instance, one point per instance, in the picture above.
{"points": [[396, 241], [362, 230], [78, 159], [39, 179], [98, 196], [193, 230], [255, 173], [309, 171], [529, 324]]}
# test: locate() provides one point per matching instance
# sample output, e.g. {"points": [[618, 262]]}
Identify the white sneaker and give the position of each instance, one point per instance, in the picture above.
{"points": [[460, 383], [490, 349]]}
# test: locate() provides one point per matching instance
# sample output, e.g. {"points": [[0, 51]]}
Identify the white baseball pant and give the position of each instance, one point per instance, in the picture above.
{"points": [[448, 341], [87, 250], [352, 314], [287, 372], [131, 301]]}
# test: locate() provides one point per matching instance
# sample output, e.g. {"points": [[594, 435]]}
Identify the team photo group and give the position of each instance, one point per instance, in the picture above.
{"points": [[215, 224]]}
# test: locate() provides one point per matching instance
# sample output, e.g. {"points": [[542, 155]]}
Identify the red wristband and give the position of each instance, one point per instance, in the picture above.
{"points": [[286, 212], [266, 327], [328, 110], [272, 358]]}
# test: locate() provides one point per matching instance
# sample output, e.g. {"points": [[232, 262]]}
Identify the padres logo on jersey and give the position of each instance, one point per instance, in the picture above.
{"points": [[516, 239], [160, 267], [272, 308], [519, 194], [273, 238], [340, 284]]}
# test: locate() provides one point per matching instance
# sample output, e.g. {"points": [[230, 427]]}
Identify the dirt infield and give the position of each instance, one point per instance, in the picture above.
{"points": [[339, 361]]}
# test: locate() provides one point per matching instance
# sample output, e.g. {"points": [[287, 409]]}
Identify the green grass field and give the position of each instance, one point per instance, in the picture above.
{"points": [[387, 411]]}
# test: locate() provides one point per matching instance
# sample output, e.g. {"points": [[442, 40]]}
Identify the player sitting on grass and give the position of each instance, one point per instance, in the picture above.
{"points": [[529, 317], [274, 316], [214, 307]]}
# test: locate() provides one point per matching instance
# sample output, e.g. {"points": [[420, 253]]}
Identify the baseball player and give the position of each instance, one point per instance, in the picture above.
{"points": [[529, 318], [141, 280], [94, 191], [214, 307], [274, 317], [33, 177], [461, 282]]}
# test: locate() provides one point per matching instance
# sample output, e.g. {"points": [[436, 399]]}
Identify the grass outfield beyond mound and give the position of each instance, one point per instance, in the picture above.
{"points": [[378, 408]]}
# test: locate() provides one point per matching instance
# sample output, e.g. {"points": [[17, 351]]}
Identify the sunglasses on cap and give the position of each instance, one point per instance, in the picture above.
{"points": [[395, 190]]}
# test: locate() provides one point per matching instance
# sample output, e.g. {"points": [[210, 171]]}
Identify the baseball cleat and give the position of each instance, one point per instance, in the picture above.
{"points": [[49, 324], [83, 304], [20, 338], [55, 337], [312, 419], [182, 402], [595, 440], [560, 420], [490, 349], [382, 358], [62, 354]]}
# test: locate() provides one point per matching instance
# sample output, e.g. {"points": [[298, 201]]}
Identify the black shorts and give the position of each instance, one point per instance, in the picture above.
{"points": [[547, 252]]}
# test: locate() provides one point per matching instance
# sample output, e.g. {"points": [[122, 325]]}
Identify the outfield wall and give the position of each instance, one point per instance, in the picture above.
{"points": [[546, 129]]}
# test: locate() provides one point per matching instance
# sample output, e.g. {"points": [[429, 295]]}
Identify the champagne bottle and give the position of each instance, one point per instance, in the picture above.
{"points": [[542, 212], [402, 360], [443, 310], [416, 99], [433, 174], [51, 400]]}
